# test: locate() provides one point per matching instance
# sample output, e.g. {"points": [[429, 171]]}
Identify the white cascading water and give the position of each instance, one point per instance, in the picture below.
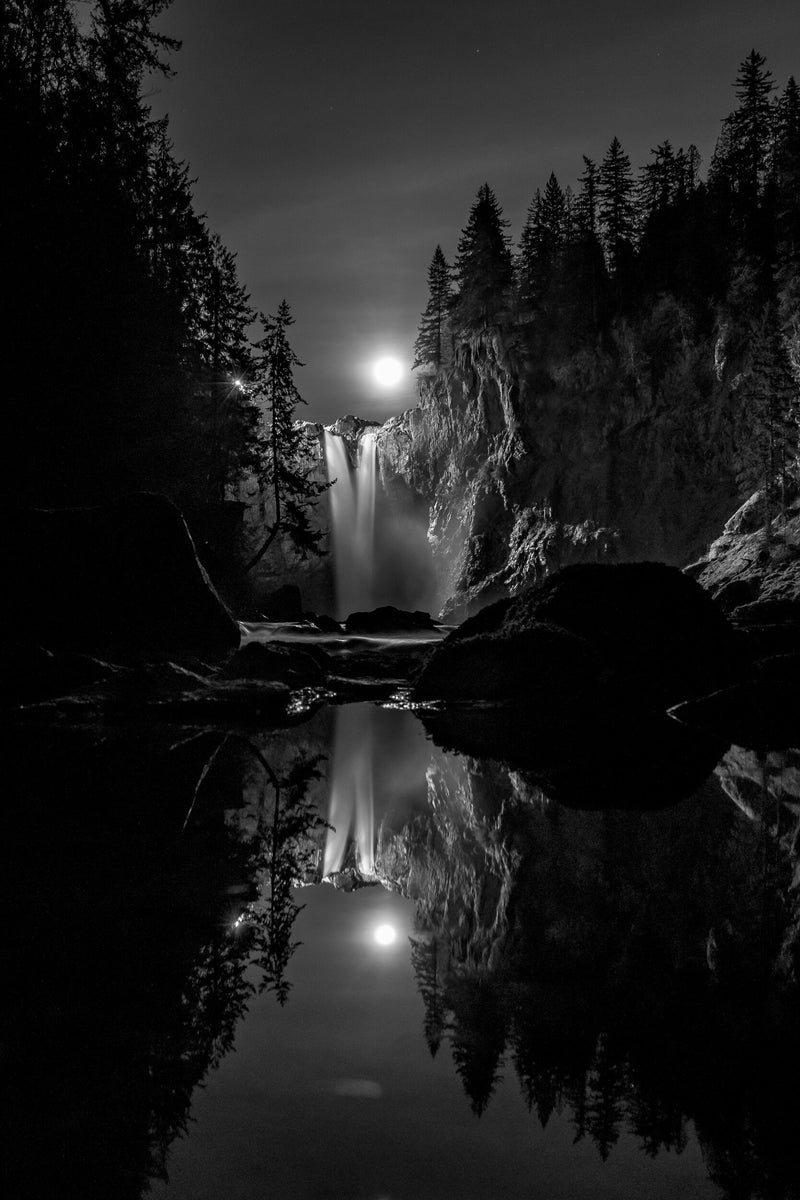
{"points": [[352, 522], [350, 805]]}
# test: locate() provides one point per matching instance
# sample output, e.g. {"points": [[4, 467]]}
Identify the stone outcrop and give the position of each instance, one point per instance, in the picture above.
{"points": [[754, 577]]}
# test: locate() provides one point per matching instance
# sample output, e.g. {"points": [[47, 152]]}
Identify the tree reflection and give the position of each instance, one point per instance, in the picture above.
{"points": [[283, 855], [636, 970], [137, 905]]}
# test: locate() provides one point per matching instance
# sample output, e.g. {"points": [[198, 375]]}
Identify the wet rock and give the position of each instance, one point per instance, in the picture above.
{"points": [[278, 663], [388, 619], [322, 622], [510, 666], [124, 575]]}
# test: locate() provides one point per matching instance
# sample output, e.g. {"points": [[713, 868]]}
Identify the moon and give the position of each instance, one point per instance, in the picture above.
{"points": [[385, 935], [387, 371]]}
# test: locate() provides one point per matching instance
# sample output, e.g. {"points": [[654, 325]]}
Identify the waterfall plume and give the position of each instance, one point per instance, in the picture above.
{"points": [[352, 522]]}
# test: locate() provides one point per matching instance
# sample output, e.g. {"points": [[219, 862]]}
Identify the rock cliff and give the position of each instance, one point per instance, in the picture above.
{"points": [[523, 470]]}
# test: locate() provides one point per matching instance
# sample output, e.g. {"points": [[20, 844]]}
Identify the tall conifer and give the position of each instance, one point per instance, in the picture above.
{"points": [[483, 264], [616, 204], [289, 465], [432, 337]]}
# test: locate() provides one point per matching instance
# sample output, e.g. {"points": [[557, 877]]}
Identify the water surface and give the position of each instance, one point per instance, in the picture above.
{"points": [[577, 1002]]}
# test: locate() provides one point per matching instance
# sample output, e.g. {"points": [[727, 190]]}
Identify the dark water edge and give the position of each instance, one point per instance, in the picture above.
{"points": [[579, 1001]]}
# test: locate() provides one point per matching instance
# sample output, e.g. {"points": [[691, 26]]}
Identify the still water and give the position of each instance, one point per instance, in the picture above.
{"points": [[493, 994]]}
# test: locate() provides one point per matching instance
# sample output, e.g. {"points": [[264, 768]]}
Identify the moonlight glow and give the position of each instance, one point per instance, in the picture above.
{"points": [[387, 372], [385, 935]]}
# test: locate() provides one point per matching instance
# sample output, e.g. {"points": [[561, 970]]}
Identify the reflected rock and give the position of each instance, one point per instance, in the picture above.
{"points": [[582, 759], [760, 713]]}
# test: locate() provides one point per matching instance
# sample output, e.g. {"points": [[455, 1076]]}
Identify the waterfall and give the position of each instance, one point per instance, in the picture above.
{"points": [[352, 522]]}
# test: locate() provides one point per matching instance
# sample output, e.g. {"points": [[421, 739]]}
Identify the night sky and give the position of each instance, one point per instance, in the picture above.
{"points": [[335, 142]]}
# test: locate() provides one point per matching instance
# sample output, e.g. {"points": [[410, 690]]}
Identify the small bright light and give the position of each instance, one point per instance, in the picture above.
{"points": [[388, 371], [238, 383], [385, 935]]}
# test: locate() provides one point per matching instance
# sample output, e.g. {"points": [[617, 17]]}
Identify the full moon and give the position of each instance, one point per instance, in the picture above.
{"points": [[387, 371], [385, 935]]}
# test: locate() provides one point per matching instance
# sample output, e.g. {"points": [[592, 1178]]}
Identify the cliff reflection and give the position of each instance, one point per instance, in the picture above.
{"points": [[634, 970]]}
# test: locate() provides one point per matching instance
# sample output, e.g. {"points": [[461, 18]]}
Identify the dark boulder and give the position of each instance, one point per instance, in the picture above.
{"points": [[502, 666], [646, 630], [388, 619], [284, 604], [322, 622], [124, 575]]}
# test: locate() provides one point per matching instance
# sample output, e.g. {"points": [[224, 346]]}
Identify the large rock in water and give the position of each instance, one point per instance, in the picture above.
{"points": [[641, 631], [124, 575]]}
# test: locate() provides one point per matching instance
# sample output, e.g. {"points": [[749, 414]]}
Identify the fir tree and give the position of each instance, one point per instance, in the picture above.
{"points": [[752, 125], [541, 243], [483, 265], [431, 343], [587, 202], [288, 469], [425, 960], [616, 205], [659, 181]]}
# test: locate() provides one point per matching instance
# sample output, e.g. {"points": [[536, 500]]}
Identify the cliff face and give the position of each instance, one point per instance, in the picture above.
{"points": [[523, 471]]}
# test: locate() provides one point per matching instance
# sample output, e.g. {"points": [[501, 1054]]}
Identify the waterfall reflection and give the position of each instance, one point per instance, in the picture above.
{"points": [[351, 803]]}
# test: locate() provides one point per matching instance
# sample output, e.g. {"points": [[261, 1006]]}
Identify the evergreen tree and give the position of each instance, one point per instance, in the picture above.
{"points": [[541, 244], [659, 181], [477, 1035], [431, 343], [588, 198], [752, 125], [425, 960], [616, 206], [483, 265], [288, 469]]}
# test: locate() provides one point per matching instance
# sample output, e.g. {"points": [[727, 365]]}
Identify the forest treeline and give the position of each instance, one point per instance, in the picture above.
{"points": [[633, 283], [126, 323]]}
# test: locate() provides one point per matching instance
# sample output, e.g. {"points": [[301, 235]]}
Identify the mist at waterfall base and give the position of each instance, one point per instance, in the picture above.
{"points": [[379, 543]]}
